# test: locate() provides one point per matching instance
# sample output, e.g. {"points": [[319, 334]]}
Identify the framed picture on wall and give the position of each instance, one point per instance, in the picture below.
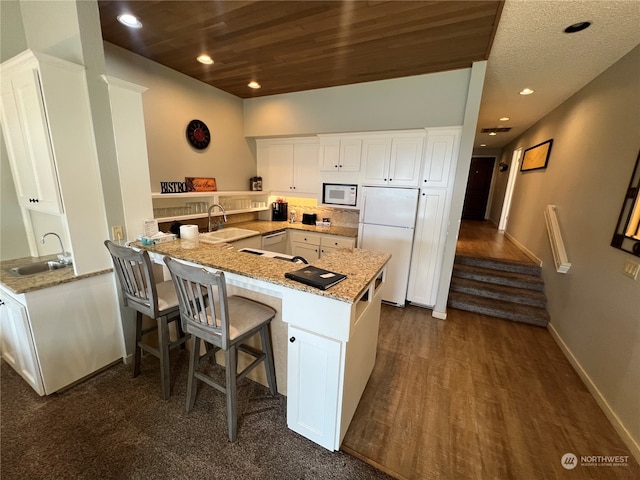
{"points": [[536, 157]]}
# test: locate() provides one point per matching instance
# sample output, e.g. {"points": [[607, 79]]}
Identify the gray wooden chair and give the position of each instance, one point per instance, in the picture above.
{"points": [[155, 300], [223, 323]]}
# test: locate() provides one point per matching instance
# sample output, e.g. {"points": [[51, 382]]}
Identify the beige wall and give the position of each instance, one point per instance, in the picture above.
{"points": [[171, 101], [594, 308]]}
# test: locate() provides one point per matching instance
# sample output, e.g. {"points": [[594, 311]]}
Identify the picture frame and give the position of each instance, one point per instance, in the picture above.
{"points": [[536, 157]]}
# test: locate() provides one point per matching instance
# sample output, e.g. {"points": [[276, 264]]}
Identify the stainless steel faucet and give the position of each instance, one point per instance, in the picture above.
{"points": [[64, 257], [224, 214]]}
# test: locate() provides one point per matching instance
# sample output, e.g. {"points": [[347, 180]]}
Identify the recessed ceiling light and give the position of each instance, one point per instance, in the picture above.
{"points": [[493, 134], [504, 119], [129, 20], [577, 27], [253, 84], [483, 144], [204, 58], [526, 91]]}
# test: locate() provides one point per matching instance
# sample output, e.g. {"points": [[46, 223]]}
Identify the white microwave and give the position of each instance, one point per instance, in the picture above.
{"points": [[339, 194]]}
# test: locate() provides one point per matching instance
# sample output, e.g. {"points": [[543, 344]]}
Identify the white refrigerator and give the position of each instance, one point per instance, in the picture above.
{"points": [[387, 221]]}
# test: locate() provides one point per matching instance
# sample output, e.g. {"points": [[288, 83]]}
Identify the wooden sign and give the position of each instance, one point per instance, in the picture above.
{"points": [[200, 184]]}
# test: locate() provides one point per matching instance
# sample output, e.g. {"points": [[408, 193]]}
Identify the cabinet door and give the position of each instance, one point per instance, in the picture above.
{"points": [[350, 153], [280, 167], [329, 154], [376, 155], [426, 259], [404, 167], [312, 386], [441, 147], [29, 143], [17, 343], [310, 252], [306, 175]]}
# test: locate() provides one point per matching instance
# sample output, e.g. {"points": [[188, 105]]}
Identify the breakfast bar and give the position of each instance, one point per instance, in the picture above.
{"points": [[324, 340]]}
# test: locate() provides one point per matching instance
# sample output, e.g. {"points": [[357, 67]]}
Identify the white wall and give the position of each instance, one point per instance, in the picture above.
{"points": [[171, 101], [595, 309], [433, 100]]}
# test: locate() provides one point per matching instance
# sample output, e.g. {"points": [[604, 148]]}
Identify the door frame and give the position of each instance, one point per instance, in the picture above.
{"points": [[516, 157]]}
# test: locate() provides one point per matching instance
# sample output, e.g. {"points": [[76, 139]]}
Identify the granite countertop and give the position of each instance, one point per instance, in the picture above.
{"points": [[266, 227], [360, 266], [30, 283]]}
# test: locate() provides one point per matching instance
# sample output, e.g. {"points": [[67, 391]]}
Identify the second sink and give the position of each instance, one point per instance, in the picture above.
{"points": [[39, 267], [226, 235]]}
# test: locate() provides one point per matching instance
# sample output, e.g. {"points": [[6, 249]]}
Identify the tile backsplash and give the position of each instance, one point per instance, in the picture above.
{"points": [[340, 217]]}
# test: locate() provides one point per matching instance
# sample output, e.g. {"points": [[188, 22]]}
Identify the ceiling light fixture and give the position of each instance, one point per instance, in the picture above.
{"points": [[483, 144], [526, 91], [253, 84], [504, 119], [493, 134], [129, 20], [204, 58], [577, 27]]}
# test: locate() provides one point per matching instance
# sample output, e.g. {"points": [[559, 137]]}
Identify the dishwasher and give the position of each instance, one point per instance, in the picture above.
{"points": [[275, 242]]}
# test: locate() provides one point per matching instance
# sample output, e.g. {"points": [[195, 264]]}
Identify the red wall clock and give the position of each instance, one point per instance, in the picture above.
{"points": [[198, 134]]}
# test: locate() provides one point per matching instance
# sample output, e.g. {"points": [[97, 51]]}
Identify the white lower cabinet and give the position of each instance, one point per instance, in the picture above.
{"points": [[329, 243], [305, 244], [18, 349], [56, 336], [313, 380], [426, 259]]}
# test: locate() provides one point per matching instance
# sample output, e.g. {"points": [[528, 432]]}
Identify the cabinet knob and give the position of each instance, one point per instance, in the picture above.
{"points": [[1, 302], [423, 194], [292, 339], [391, 179], [335, 166], [385, 179]]}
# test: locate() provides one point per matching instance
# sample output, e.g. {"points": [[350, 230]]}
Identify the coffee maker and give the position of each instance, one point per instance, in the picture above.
{"points": [[279, 211]]}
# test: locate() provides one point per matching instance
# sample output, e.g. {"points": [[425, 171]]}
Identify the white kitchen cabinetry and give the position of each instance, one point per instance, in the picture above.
{"points": [[329, 243], [305, 244], [392, 160], [440, 153], [312, 397], [56, 336], [340, 154], [289, 166], [426, 258], [28, 139], [18, 349]]}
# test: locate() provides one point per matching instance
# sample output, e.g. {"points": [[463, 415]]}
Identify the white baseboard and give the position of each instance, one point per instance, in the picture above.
{"points": [[526, 251], [439, 315], [593, 389]]}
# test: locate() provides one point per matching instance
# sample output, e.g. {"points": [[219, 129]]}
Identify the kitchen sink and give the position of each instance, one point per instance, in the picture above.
{"points": [[226, 235], [39, 267]]}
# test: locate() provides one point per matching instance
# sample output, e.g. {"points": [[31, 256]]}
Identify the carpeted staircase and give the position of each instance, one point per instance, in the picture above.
{"points": [[499, 288]]}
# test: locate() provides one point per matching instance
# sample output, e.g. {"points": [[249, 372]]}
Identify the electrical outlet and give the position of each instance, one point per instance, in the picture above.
{"points": [[631, 269], [117, 234]]}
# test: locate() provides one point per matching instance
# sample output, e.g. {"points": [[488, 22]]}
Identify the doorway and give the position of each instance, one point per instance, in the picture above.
{"points": [[478, 188]]}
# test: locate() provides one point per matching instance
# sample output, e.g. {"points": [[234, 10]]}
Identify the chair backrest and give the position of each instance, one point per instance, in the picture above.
{"points": [[136, 278], [202, 296]]}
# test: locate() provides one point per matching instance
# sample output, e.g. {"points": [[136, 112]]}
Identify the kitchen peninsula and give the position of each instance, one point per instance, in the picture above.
{"points": [[324, 340]]}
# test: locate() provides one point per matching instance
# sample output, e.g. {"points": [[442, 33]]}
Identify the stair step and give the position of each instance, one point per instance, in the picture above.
{"points": [[499, 308], [523, 296], [504, 265], [498, 277]]}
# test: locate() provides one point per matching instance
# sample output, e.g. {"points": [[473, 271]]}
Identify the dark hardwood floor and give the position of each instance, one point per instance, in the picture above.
{"points": [[473, 397]]}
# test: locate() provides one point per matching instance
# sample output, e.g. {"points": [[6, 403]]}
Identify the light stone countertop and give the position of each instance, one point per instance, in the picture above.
{"points": [[38, 281], [360, 266]]}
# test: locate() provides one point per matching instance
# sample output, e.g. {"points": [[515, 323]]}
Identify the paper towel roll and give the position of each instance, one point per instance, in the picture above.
{"points": [[189, 233]]}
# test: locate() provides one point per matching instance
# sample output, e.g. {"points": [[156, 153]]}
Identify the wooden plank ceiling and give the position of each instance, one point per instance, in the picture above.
{"points": [[290, 46]]}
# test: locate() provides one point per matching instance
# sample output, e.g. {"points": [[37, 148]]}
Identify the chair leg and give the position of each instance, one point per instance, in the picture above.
{"points": [[191, 380], [137, 351], [163, 347], [231, 372], [269, 364]]}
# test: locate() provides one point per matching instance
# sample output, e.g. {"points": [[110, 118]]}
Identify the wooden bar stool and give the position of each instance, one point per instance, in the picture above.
{"points": [[155, 300], [223, 323]]}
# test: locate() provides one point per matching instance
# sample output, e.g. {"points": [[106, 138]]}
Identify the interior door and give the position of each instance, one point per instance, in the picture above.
{"points": [[478, 187]]}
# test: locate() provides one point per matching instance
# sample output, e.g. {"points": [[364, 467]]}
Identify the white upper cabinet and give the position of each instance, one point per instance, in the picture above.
{"points": [[291, 165], [28, 140], [340, 154], [392, 160], [441, 152]]}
